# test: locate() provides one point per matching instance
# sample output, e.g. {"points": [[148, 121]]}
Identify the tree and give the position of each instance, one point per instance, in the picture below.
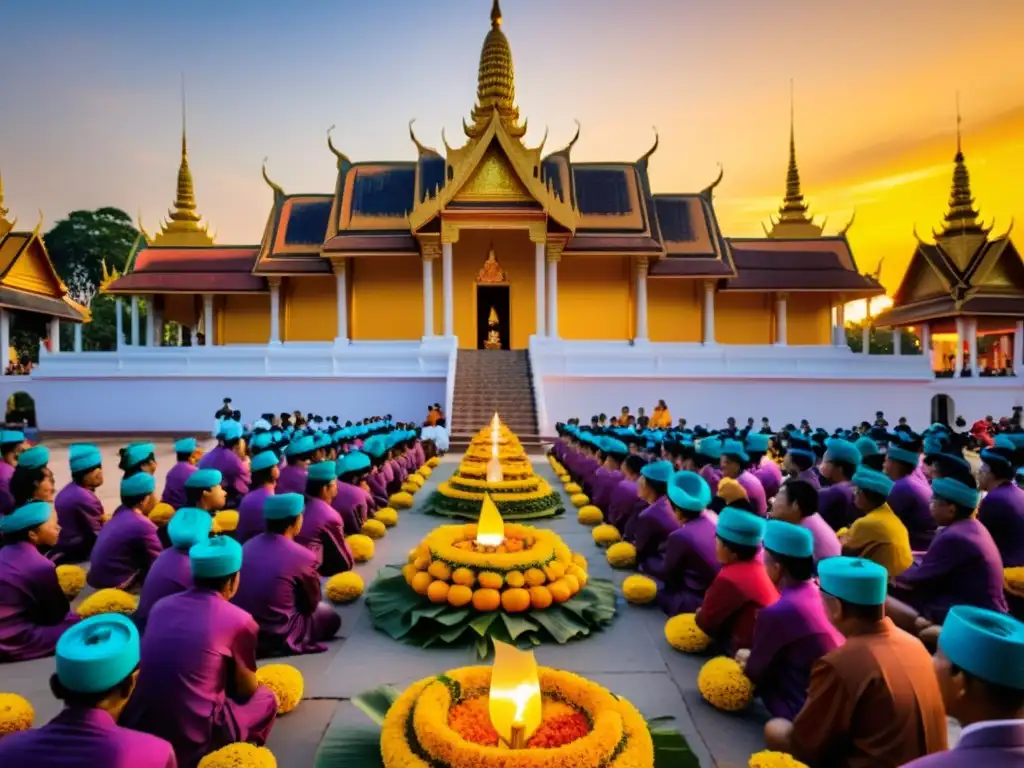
{"points": [[880, 341], [81, 243]]}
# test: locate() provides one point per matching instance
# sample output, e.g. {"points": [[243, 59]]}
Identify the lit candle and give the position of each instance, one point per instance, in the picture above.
{"points": [[490, 528], [515, 699]]}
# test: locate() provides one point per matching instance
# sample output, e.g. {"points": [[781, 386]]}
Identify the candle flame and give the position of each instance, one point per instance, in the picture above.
{"points": [[515, 697], [490, 528]]}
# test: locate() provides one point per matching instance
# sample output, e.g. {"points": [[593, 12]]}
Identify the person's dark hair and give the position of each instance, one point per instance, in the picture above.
{"points": [[6, 448], [79, 700], [194, 495], [183, 456], [742, 552], [874, 498], [24, 482], [16, 537], [1002, 697], [79, 476], [657, 486], [802, 461], [872, 613], [132, 469], [315, 487], [803, 494], [635, 463], [799, 568], [216, 584], [875, 461], [845, 467], [129, 502], [297, 457], [261, 477], [279, 526], [1001, 470]]}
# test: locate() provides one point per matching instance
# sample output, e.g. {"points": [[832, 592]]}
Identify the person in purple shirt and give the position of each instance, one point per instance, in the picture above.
{"points": [[624, 502], [610, 474], [352, 501], [835, 501], [32, 479], [910, 495], [323, 530], [299, 454], [1002, 509], [12, 443], [79, 510], [734, 464], [138, 457], [791, 634], [279, 585], [265, 473], [204, 490], [128, 545], [961, 567], [800, 460], [96, 663], [707, 455], [187, 453], [978, 665], [172, 571], [653, 526], [376, 448], [763, 468], [197, 685], [33, 609], [230, 462], [797, 503], [690, 563]]}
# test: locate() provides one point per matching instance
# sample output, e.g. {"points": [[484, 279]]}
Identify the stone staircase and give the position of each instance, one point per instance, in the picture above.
{"points": [[489, 380]]}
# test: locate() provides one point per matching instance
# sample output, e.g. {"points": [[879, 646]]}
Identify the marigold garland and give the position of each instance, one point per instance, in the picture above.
{"points": [[161, 514], [225, 521], [639, 590], [240, 755], [1013, 581], [590, 515], [579, 500], [770, 759], [362, 547], [344, 587], [402, 500], [285, 682], [724, 686], [433, 461], [683, 634], [374, 529], [387, 516], [622, 555], [408, 488], [573, 488], [416, 480], [565, 477], [605, 535], [16, 714], [107, 601], [425, 471], [71, 579]]}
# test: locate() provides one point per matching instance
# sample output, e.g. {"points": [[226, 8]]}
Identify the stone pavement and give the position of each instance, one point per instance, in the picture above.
{"points": [[631, 657]]}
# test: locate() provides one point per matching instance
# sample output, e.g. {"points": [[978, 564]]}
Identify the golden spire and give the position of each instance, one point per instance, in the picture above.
{"points": [[793, 219], [496, 83], [962, 217], [3, 211]]}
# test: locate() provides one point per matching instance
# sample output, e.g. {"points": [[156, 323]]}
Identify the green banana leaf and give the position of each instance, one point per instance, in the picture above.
{"points": [[351, 746]]}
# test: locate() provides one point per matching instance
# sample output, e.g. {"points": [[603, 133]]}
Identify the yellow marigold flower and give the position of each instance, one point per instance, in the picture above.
{"points": [[16, 714], [639, 590], [161, 514], [579, 560], [388, 516], [425, 471], [606, 534], [374, 529], [286, 683], [564, 478], [409, 488], [344, 587], [433, 462], [573, 488], [770, 759], [416, 480], [401, 500], [684, 635], [579, 500], [590, 515], [225, 521], [240, 755], [361, 545], [1013, 580], [622, 555], [107, 601], [724, 686], [842, 531], [72, 580]]}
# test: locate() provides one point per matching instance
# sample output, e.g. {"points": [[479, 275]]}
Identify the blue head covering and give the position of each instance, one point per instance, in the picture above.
{"points": [[866, 446], [300, 446], [323, 472], [953, 490], [204, 478], [230, 430], [709, 447], [801, 446], [659, 471], [264, 460], [375, 446], [612, 445], [1002, 453], [854, 580], [838, 449], [140, 484], [905, 446], [97, 653], [216, 557], [872, 480], [757, 443], [788, 539], [283, 505], [185, 445], [354, 461], [27, 516], [84, 457], [322, 440], [189, 526], [261, 442], [137, 453], [36, 457], [11, 436], [740, 527], [985, 644], [735, 448], [689, 491]]}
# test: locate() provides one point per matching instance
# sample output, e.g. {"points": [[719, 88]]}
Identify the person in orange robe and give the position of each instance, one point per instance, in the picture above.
{"points": [[662, 417]]}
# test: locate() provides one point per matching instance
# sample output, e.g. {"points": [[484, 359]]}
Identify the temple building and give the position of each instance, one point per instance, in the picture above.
{"points": [[495, 243]]}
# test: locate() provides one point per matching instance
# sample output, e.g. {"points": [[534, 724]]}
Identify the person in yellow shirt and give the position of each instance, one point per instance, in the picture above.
{"points": [[878, 535], [662, 417]]}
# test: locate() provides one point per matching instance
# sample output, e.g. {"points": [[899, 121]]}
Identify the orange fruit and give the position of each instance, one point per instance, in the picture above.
{"points": [[563, 553], [459, 595], [540, 598], [560, 591], [463, 576], [490, 580], [554, 570], [422, 563], [515, 600], [573, 582], [440, 570], [409, 571], [437, 592], [578, 573], [579, 560], [486, 600], [515, 579], [421, 582], [535, 577]]}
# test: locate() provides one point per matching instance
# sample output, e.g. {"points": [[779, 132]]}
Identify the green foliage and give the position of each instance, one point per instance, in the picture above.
{"points": [[525, 509], [880, 340], [79, 244]]}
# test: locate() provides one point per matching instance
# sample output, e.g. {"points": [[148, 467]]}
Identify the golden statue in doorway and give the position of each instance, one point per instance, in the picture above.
{"points": [[493, 335], [491, 273]]}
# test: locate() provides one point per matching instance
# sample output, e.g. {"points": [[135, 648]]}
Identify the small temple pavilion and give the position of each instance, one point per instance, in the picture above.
{"points": [[494, 244], [32, 296], [965, 286]]}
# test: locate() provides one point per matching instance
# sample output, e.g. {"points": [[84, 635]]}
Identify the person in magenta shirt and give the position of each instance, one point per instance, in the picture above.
{"points": [[766, 471], [707, 454], [910, 494], [797, 503], [187, 453], [323, 530], [652, 527], [231, 464], [280, 587], [690, 564], [128, 545], [204, 490], [12, 443], [734, 463], [610, 473], [1002, 509], [624, 502], [265, 474], [79, 510], [299, 454], [96, 663], [197, 685], [835, 501], [352, 501]]}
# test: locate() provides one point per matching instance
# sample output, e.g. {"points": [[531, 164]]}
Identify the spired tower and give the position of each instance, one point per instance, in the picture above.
{"points": [[496, 83]]}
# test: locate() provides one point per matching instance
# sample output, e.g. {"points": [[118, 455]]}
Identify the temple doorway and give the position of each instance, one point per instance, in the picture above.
{"points": [[942, 409], [493, 326]]}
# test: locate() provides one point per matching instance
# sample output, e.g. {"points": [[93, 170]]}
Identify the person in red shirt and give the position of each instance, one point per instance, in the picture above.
{"points": [[742, 587]]}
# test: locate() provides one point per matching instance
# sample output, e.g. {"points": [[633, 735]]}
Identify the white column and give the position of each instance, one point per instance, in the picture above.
{"points": [[275, 311], [181, 334], [926, 341], [5, 340], [897, 341], [841, 326], [54, 335], [78, 337], [1018, 348], [118, 323], [341, 286], [958, 366], [158, 323], [781, 333], [865, 337], [539, 250], [150, 322], [972, 345], [553, 257], [135, 321], [709, 312], [641, 300], [208, 319], [428, 295], [448, 285]]}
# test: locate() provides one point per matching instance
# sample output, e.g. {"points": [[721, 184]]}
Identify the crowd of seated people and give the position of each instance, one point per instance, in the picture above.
{"points": [[863, 578], [178, 679]]}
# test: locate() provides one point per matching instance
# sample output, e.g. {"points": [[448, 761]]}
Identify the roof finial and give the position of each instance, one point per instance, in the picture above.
{"points": [[278, 191], [793, 207], [496, 14], [3, 211], [496, 84], [962, 216], [184, 125], [342, 157], [959, 120]]}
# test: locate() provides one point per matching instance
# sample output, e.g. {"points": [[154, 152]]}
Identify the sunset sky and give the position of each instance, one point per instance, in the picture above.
{"points": [[90, 105]]}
